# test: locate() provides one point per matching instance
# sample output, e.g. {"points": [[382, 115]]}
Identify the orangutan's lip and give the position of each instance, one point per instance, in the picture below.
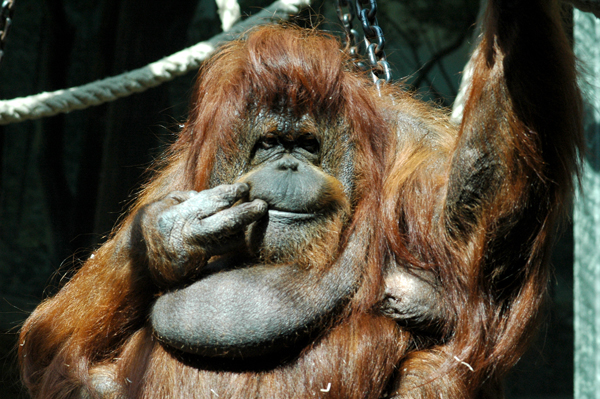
{"points": [[288, 215]]}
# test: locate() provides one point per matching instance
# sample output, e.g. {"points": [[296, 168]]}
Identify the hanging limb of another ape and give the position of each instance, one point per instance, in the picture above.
{"points": [[493, 199]]}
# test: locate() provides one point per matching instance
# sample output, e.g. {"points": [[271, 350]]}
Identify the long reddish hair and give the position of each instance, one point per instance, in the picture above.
{"points": [[104, 307]]}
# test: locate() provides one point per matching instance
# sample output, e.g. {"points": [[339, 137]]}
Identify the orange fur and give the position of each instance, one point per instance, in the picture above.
{"points": [[413, 168]]}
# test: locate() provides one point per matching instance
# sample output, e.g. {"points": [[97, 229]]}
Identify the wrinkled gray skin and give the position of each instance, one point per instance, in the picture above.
{"points": [[233, 305]]}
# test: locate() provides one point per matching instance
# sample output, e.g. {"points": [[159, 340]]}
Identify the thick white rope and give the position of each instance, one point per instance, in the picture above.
{"points": [[138, 80], [229, 12], [458, 107]]}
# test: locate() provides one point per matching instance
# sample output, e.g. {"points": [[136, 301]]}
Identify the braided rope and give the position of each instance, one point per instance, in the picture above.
{"points": [[229, 12], [109, 89]]}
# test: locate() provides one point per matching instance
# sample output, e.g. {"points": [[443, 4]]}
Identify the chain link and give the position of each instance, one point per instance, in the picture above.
{"points": [[373, 38], [346, 16], [6, 12]]}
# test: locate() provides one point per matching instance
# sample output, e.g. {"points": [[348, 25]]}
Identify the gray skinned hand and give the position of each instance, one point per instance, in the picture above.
{"points": [[183, 230]]}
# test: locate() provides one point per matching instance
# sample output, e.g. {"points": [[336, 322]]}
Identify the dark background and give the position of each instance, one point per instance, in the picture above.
{"points": [[65, 180]]}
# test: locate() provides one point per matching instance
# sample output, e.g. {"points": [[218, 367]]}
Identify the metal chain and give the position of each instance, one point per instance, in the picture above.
{"points": [[6, 12], [373, 39], [346, 17]]}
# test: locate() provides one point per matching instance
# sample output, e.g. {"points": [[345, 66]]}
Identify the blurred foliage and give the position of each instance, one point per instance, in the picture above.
{"points": [[452, 17], [429, 42]]}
